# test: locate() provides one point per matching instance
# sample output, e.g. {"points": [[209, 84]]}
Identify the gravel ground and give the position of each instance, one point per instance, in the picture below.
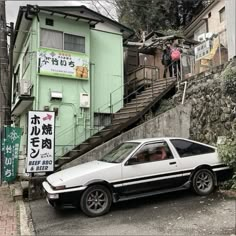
{"points": [[181, 213]]}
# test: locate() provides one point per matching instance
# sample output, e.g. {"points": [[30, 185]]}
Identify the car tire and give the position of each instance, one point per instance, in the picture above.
{"points": [[203, 182], [96, 200]]}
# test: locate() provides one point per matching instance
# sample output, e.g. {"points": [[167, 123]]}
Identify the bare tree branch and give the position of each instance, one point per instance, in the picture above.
{"points": [[106, 11]]}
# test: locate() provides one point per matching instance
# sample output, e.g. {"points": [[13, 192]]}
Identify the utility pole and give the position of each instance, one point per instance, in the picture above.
{"points": [[5, 94]]}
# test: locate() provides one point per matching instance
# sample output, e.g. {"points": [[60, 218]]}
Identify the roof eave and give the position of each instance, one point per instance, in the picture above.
{"points": [[197, 20]]}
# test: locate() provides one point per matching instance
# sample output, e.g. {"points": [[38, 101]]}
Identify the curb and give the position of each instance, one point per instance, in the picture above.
{"points": [[26, 227]]}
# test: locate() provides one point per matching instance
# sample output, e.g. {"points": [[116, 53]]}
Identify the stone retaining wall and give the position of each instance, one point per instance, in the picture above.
{"points": [[213, 107]]}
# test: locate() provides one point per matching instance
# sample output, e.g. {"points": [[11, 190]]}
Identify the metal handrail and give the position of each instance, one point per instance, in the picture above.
{"points": [[134, 92], [122, 86], [137, 69]]}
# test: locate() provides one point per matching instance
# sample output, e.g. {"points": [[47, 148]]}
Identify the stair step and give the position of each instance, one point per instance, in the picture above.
{"points": [[149, 94], [105, 130], [155, 90], [125, 114], [120, 121], [134, 105], [147, 99], [132, 109], [94, 139], [84, 144], [62, 160]]}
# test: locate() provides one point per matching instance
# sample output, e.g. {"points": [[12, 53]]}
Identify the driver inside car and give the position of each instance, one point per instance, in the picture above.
{"points": [[158, 154]]}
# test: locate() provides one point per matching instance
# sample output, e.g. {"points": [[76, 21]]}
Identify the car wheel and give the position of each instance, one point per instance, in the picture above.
{"points": [[96, 201], [203, 182]]}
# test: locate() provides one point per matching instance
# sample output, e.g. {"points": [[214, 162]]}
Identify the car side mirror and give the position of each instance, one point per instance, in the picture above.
{"points": [[132, 161]]}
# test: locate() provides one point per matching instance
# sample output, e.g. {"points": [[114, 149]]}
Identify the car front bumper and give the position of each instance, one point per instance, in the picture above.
{"points": [[61, 197]]}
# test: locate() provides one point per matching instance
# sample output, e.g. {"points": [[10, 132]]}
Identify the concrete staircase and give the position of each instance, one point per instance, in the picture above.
{"points": [[124, 119]]}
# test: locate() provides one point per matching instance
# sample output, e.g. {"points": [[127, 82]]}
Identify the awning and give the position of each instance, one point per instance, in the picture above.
{"points": [[23, 102]]}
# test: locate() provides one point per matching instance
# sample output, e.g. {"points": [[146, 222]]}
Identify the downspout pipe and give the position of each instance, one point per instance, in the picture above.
{"points": [[184, 93]]}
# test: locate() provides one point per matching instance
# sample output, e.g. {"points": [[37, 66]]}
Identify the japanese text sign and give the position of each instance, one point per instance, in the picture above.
{"points": [[10, 148], [40, 148], [63, 64], [202, 50]]}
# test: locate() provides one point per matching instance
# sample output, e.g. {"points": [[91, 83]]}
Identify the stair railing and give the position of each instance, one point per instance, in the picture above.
{"points": [[110, 106]]}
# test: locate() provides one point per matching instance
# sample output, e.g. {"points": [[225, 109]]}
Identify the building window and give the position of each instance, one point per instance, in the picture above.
{"points": [[26, 61], [222, 14], [74, 43], [58, 40], [49, 22], [51, 39]]}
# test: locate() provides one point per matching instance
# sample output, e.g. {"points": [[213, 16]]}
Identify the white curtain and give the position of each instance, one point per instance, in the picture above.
{"points": [[51, 39]]}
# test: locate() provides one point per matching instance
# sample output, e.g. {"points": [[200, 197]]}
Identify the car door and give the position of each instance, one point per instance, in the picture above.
{"points": [[152, 167]]}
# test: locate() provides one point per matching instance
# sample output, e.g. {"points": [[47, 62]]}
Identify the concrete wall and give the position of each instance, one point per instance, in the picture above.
{"points": [[230, 11], [175, 122]]}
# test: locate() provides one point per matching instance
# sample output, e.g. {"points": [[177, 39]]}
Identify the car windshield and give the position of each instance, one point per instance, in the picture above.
{"points": [[119, 153]]}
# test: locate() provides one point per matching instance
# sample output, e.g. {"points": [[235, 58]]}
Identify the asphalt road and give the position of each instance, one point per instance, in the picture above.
{"points": [[181, 213]]}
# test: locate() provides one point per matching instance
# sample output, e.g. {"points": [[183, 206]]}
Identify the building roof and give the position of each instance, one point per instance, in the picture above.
{"points": [[83, 10], [78, 13]]}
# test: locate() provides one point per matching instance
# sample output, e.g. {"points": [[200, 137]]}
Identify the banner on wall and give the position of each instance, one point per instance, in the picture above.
{"points": [[10, 151], [41, 141], [53, 62]]}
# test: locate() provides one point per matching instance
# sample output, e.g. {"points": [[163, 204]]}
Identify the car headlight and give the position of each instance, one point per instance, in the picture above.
{"points": [[53, 196]]}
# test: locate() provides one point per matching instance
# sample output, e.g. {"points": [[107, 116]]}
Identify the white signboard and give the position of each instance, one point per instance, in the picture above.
{"points": [[63, 64], [40, 148], [202, 50]]}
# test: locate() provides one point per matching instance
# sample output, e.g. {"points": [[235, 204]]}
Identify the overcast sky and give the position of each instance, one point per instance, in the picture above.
{"points": [[12, 7]]}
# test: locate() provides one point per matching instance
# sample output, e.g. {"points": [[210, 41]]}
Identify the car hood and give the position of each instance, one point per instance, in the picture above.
{"points": [[83, 173]]}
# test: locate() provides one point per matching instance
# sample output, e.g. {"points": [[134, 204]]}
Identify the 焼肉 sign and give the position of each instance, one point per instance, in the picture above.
{"points": [[41, 140]]}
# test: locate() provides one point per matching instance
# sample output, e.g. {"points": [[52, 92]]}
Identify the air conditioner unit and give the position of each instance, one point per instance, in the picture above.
{"points": [[84, 100], [25, 86], [201, 37]]}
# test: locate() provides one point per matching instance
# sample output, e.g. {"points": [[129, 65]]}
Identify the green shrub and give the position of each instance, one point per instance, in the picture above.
{"points": [[227, 153], [229, 82]]}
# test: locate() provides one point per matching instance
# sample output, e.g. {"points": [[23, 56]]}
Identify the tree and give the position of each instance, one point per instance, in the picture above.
{"points": [[149, 15]]}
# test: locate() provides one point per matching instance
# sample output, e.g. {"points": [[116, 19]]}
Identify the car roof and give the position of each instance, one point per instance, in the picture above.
{"points": [[146, 140]]}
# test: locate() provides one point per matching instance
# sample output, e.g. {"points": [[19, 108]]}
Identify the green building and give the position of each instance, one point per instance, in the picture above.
{"points": [[68, 60]]}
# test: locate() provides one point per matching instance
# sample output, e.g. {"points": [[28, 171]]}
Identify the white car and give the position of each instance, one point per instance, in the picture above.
{"points": [[135, 169]]}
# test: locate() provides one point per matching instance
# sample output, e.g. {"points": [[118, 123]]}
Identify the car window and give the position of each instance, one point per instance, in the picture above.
{"points": [[153, 152], [119, 153], [187, 148]]}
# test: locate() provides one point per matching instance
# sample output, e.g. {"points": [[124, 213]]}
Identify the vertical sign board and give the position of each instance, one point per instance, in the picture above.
{"points": [[41, 140], [10, 147]]}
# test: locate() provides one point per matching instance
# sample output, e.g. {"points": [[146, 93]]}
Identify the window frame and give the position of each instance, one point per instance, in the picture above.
{"points": [[145, 144], [78, 36], [193, 142], [221, 12], [63, 40]]}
